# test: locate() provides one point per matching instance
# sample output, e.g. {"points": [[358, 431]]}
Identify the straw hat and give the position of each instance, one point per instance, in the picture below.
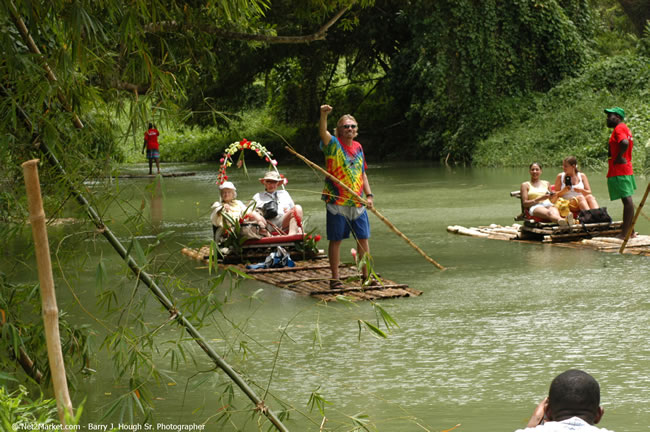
{"points": [[272, 175]]}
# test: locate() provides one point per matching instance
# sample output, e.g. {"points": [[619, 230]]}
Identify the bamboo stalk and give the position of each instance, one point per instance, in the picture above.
{"points": [[119, 248], [365, 202], [145, 278], [636, 216], [22, 28], [48, 295]]}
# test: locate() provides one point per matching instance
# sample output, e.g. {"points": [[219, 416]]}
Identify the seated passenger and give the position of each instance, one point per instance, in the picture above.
{"points": [[536, 197], [234, 210], [573, 186], [285, 215]]}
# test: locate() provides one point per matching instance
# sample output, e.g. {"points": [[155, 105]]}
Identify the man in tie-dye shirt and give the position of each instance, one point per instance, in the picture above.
{"points": [[344, 159]]}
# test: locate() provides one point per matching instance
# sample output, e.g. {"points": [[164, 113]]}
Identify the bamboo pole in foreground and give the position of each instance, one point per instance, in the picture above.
{"points": [[636, 216], [365, 202], [48, 295], [145, 278]]}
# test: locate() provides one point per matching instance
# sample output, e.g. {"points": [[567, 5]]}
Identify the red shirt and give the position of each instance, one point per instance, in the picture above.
{"points": [[620, 132], [151, 137]]}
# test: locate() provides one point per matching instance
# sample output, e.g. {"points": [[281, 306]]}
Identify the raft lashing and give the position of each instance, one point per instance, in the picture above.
{"points": [[311, 277], [598, 237]]}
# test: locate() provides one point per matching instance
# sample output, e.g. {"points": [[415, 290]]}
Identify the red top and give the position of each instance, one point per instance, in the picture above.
{"points": [[151, 137], [620, 132]]}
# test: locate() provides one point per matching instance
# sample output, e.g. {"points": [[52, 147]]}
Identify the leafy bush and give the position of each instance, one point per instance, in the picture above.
{"points": [[569, 119]]}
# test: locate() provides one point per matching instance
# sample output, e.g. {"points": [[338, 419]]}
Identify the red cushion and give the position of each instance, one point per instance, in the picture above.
{"points": [[275, 239]]}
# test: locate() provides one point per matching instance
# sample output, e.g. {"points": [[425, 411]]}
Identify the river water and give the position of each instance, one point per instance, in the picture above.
{"points": [[478, 348]]}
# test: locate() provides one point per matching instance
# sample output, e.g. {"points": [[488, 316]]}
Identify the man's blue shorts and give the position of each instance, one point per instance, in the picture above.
{"points": [[338, 226], [153, 154]]}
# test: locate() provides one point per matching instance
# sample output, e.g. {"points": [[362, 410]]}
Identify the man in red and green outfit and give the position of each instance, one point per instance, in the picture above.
{"points": [[620, 175], [151, 145]]}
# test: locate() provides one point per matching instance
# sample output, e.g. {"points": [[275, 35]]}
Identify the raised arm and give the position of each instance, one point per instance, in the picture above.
{"points": [[325, 136]]}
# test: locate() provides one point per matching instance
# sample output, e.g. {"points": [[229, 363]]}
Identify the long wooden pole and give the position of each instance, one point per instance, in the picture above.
{"points": [[48, 296], [636, 216], [365, 202]]}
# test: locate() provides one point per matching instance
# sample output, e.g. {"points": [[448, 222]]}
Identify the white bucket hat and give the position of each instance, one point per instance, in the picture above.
{"points": [[227, 185]]}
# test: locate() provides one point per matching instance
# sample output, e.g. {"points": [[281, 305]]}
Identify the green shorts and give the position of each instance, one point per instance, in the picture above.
{"points": [[621, 186]]}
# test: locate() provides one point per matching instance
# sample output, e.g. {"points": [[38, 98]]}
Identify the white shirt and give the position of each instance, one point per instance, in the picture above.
{"points": [[572, 193], [285, 203], [572, 424]]}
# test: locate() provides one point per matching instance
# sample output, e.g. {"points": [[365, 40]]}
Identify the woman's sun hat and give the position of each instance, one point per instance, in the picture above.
{"points": [[227, 185]]}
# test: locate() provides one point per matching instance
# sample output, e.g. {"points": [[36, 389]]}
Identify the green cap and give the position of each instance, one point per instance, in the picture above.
{"points": [[616, 110]]}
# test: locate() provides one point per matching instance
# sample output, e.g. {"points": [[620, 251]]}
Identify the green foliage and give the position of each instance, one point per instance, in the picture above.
{"points": [[465, 56], [179, 143], [614, 34], [569, 119], [23, 330], [18, 409]]}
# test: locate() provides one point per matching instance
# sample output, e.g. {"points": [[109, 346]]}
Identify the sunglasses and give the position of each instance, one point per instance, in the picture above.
{"points": [[349, 126]]}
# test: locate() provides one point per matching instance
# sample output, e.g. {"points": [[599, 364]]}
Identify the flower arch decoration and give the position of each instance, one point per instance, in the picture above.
{"points": [[244, 144]]}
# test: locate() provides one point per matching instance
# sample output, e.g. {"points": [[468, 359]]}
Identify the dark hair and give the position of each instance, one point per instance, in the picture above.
{"points": [[150, 125], [535, 163], [571, 160], [574, 393]]}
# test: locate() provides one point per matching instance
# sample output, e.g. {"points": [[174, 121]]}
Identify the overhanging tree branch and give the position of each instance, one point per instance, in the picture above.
{"points": [[165, 26]]}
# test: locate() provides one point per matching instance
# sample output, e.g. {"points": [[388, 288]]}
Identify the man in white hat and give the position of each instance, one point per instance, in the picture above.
{"points": [[276, 205]]}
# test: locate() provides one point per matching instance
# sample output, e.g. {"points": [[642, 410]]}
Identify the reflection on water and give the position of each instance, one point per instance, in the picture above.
{"points": [[479, 347]]}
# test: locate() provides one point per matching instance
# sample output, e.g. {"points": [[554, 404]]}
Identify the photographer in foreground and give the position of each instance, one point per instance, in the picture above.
{"points": [[573, 404]]}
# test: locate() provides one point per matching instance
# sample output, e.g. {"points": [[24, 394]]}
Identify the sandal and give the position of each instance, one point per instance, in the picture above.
{"points": [[336, 284]]}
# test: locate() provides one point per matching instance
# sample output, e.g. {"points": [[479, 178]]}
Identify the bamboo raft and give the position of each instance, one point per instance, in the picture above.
{"points": [[312, 277], [573, 237]]}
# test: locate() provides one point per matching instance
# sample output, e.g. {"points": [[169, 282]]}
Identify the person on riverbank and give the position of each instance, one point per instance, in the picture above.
{"points": [[537, 198], [572, 404], [345, 160], [284, 214], [152, 147], [235, 210], [620, 174], [573, 186]]}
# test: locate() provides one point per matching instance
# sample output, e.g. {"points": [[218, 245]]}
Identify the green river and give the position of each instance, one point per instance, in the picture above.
{"points": [[478, 348]]}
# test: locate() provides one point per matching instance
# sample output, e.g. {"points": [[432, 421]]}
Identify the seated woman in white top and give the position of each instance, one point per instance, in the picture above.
{"points": [[234, 209], [287, 215], [573, 186], [537, 198]]}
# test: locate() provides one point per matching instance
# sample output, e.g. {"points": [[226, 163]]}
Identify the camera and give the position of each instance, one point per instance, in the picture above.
{"points": [[567, 181]]}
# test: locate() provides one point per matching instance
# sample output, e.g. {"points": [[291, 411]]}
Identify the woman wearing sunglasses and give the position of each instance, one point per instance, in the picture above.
{"points": [[344, 159]]}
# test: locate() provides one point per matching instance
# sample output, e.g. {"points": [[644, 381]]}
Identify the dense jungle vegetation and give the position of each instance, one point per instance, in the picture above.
{"points": [[489, 83]]}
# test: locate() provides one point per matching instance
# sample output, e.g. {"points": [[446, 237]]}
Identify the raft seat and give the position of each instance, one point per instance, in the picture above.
{"points": [[274, 240]]}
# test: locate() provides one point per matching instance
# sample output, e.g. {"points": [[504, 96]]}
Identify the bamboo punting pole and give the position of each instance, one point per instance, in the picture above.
{"points": [[636, 216], [48, 296], [365, 202]]}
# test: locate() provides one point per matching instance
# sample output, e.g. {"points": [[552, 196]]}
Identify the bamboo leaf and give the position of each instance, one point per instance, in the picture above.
{"points": [[376, 330]]}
